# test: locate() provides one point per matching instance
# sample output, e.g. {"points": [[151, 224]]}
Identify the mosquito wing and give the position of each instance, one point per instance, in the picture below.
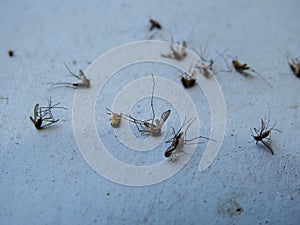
{"points": [[36, 111], [165, 116], [268, 146]]}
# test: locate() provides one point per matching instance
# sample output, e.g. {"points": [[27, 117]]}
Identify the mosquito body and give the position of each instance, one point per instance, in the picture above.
{"points": [[115, 118], [179, 140], [178, 53], [176, 147], [154, 24], [84, 81], [189, 81], [152, 126], [264, 133], [44, 115], [242, 68], [206, 69], [295, 66]]}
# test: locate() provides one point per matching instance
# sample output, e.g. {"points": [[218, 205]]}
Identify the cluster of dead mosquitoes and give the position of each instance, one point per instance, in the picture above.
{"points": [[43, 117]]}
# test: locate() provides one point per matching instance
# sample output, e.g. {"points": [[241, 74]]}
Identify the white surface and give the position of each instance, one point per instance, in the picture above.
{"points": [[45, 180]]}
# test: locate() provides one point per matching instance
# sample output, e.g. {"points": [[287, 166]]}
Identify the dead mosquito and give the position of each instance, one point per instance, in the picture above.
{"points": [[152, 126], [44, 114], [264, 133], [115, 118], [206, 68], [178, 53], [11, 53], [154, 24], [205, 65], [84, 81], [189, 80], [243, 69], [179, 140], [294, 64]]}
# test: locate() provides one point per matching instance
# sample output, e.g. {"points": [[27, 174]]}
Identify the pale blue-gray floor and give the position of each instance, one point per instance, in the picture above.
{"points": [[45, 180]]}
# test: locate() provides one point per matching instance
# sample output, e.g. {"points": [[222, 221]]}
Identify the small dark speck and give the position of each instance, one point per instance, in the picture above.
{"points": [[232, 135], [108, 194], [10, 53], [238, 210], [74, 62]]}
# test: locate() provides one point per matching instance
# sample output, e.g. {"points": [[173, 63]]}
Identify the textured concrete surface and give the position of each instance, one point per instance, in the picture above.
{"points": [[45, 180]]}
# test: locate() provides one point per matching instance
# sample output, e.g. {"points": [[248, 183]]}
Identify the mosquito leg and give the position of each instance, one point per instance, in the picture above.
{"points": [[50, 122]]}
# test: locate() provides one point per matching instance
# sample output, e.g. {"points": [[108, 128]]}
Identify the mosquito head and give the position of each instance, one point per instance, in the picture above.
{"points": [[265, 134], [32, 120], [235, 63]]}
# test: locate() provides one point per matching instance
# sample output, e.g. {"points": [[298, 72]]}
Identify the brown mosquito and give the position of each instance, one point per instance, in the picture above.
{"points": [[152, 126], [154, 24], [44, 115], [84, 81], [264, 133], [294, 64], [243, 69], [115, 118], [179, 140], [178, 53]]}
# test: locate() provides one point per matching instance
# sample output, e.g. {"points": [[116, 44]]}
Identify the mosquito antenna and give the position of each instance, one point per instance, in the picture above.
{"points": [[152, 107], [72, 72], [223, 57]]}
